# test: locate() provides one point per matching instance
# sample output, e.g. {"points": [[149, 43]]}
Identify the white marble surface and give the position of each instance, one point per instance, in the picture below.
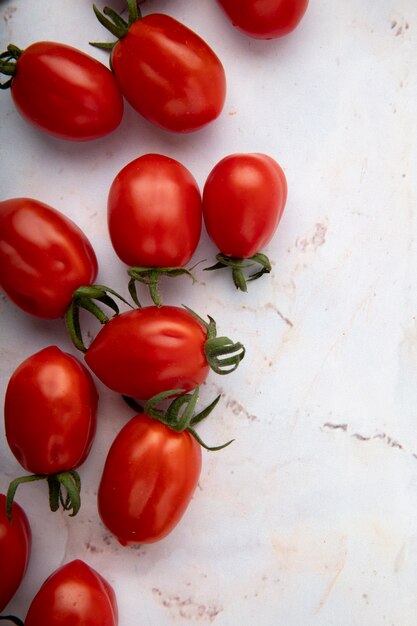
{"points": [[310, 517]]}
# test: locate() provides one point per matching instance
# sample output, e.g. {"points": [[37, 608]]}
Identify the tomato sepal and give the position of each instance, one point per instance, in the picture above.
{"points": [[151, 276], [8, 60], [83, 298], [237, 265], [11, 618], [177, 421], [68, 481], [115, 24]]}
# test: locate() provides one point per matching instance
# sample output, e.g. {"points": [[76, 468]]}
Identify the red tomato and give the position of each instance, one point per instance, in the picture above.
{"points": [[149, 477], [143, 352], [74, 595], [50, 412], [243, 200], [15, 546], [169, 74], [154, 213], [65, 92], [44, 257], [265, 19]]}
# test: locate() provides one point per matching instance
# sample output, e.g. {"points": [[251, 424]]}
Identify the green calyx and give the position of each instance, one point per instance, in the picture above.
{"points": [[11, 618], [64, 490], [179, 416], [151, 276], [8, 62], [238, 265], [222, 354], [115, 24], [87, 298]]}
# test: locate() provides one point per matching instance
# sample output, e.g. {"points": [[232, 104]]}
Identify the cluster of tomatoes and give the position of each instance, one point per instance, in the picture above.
{"points": [[151, 354]]}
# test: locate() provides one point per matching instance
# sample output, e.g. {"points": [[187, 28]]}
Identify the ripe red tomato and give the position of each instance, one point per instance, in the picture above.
{"points": [[169, 74], [243, 200], [154, 213], [265, 19], [50, 412], [15, 546], [143, 352], [74, 595], [149, 477], [64, 92], [44, 257]]}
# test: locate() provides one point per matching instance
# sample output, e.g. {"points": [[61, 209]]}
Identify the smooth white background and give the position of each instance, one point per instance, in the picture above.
{"points": [[310, 517]]}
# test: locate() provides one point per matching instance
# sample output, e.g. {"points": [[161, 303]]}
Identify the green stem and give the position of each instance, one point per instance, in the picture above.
{"points": [[237, 265]]}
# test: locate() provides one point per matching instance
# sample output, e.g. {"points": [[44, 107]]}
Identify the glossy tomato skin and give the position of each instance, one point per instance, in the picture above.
{"points": [[149, 477], [154, 213], [169, 74], [50, 412], [265, 19], [243, 201], [15, 547], [143, 352], [74, 595], [44, 257], [65, 92]]}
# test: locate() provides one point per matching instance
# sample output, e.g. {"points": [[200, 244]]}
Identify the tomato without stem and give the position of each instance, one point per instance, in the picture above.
{"points": [[15, 547], [265, 19], [167, 72], [74, 595], [149, 477], [44, 257], [63, 91], [243, 201]]}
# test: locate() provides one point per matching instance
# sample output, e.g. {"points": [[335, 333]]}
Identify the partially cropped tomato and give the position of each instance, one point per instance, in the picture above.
{"points": [[149, 477], [63, 91], [74, 595], [50, 412], [15, 546], [44, 257], [243, 201], [154, 212], [168, 73], [265, 19], [143, 352]]}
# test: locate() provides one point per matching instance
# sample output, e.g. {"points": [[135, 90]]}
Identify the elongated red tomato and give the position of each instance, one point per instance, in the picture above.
{"points": [[243, 201], [74, 595], [154, 212], [15, 547], [149, 477], [50, 412], [44, 257], [169, 74], [143, 352], [265, 19], [65, 92]]}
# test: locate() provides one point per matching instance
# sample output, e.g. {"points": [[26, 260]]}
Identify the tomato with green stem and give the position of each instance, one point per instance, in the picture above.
{"points": [[154, 219], [152, 470], [243, 201], [165, 70], [62, 91], [15, 548], [50, 422]]}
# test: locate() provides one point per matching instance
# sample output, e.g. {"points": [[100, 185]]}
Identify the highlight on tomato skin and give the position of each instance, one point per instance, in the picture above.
{"points": [[15, 549], [44, 257], [63, 91], [265, 19], [74, 594]]}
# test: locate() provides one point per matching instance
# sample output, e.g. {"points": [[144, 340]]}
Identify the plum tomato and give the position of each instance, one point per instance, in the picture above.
{"points": [[74, 595], [146, 351], [50, 415], [243, 201], [15, 547], [44, 257], [165, 70], [62, 90], [265, 19]]}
